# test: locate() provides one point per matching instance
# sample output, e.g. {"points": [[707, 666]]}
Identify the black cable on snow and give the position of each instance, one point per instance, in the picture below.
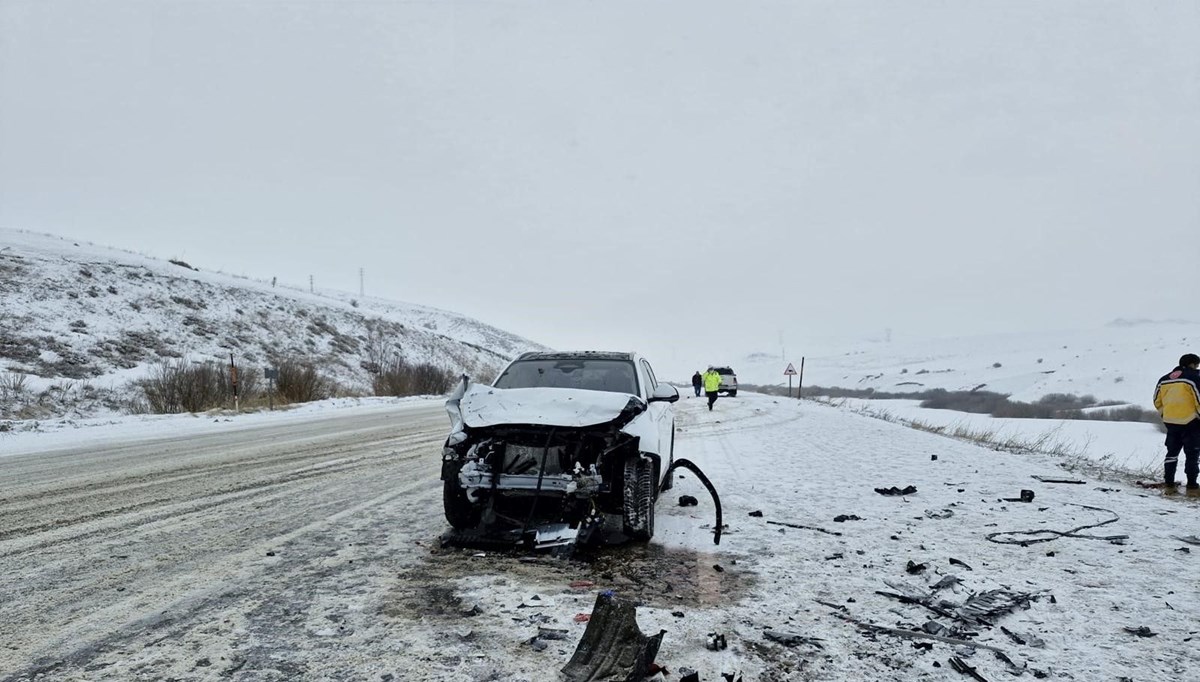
{"points": [[1055, 534]]}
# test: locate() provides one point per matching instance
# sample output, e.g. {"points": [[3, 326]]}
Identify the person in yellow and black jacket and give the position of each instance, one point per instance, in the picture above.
{"points": [[712, 384], [1177, 399]]}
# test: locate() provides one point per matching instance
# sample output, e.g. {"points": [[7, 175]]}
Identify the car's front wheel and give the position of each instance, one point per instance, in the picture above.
{"points": [[639, 498], [733, 393]]}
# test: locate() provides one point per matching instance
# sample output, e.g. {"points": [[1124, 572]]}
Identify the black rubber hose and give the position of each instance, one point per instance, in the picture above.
{"points": [[687, 464]]}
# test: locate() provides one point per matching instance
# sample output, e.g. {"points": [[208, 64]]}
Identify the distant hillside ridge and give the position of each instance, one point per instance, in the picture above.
{"points": [[75, 311]]}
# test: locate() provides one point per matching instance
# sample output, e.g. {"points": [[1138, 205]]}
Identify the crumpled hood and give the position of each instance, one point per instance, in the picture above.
{"points": [[484, 406]]}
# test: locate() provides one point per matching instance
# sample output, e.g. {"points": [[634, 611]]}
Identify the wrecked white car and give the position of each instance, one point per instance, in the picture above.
{"points": [[561, 446]]}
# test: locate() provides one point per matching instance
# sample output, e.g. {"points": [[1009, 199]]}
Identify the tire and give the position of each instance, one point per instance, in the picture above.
{"points": [[639, 499], [460, 513], [733, 393]]}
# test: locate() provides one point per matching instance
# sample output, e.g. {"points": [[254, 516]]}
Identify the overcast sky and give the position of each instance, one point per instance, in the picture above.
{"points": [[688, 178]]}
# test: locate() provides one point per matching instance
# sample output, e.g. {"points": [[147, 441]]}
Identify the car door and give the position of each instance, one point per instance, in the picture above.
{"points": [[661, 411]]}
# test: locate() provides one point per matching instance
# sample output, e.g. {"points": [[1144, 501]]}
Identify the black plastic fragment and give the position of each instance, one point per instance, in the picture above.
{"points": [[894, 491], [613, 647]]}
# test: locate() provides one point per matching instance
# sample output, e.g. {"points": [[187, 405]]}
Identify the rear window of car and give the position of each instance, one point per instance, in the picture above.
{"points": [[724, 370], [614, 376]]}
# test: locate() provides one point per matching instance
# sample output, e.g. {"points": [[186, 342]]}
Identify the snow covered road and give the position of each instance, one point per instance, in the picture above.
{"points": [[308, 550]]}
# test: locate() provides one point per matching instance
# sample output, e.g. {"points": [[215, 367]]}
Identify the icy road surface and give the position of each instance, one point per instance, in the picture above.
{"points": [[307, 550]]}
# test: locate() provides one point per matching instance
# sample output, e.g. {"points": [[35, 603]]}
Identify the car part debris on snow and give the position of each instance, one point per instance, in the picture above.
{"points": [[956, 562], [1142, 631], [790, 639], [612, 647], [551, 633], [947, 581], [1026, 496], [981, 607], [540, 641], [1047, 479], [894, 491], [939, 514], [961, 666], [1024, 639], [907, 634], [716, 642], [1190, 539], [757, 514], [1039, 535], [688, 501], [842, 518], [803, 527]]}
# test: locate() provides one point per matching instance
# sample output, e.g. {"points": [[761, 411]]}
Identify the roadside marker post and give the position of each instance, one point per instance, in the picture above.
{"points": [[271, 375], [233, 377]]}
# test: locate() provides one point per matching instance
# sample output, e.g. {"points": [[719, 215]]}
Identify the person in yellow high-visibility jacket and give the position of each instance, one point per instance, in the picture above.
{"points": [[1177, 399], [712, 383]]}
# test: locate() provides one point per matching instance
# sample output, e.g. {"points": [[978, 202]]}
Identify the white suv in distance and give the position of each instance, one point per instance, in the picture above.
{"points": [[728, 381]]}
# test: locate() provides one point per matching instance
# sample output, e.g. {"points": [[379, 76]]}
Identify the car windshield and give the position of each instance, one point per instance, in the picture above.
{"points": [[724, 370], [614, 376]]}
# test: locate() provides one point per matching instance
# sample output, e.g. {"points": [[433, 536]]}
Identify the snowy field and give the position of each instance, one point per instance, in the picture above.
{"points": [[1120, 361], [1134, 447], [340, 577]]}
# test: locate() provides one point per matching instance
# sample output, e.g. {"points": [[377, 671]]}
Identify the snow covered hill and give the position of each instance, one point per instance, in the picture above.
{"points": [[73, 313], [1120, 361]]}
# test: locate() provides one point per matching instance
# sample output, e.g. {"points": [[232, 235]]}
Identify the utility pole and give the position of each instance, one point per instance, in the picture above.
{"points": [[360, 283], [310, 285]]}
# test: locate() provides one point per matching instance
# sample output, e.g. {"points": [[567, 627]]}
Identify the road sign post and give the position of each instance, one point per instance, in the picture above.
{"points": [[789, 373], [800, 386]]}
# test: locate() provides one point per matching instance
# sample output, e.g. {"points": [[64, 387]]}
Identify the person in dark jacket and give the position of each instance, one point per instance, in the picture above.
{"points": [[697, 383], [1177, 399]]}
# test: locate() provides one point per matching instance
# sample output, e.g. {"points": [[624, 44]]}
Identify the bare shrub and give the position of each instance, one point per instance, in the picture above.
{"points": [[183, 386], [377, 348], [13, 385], [976, 402], [399, 378], [1128, 413], [300, 382]]}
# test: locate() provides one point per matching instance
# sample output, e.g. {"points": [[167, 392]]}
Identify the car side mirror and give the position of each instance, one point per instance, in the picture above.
{"points": [[664, 392]]}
